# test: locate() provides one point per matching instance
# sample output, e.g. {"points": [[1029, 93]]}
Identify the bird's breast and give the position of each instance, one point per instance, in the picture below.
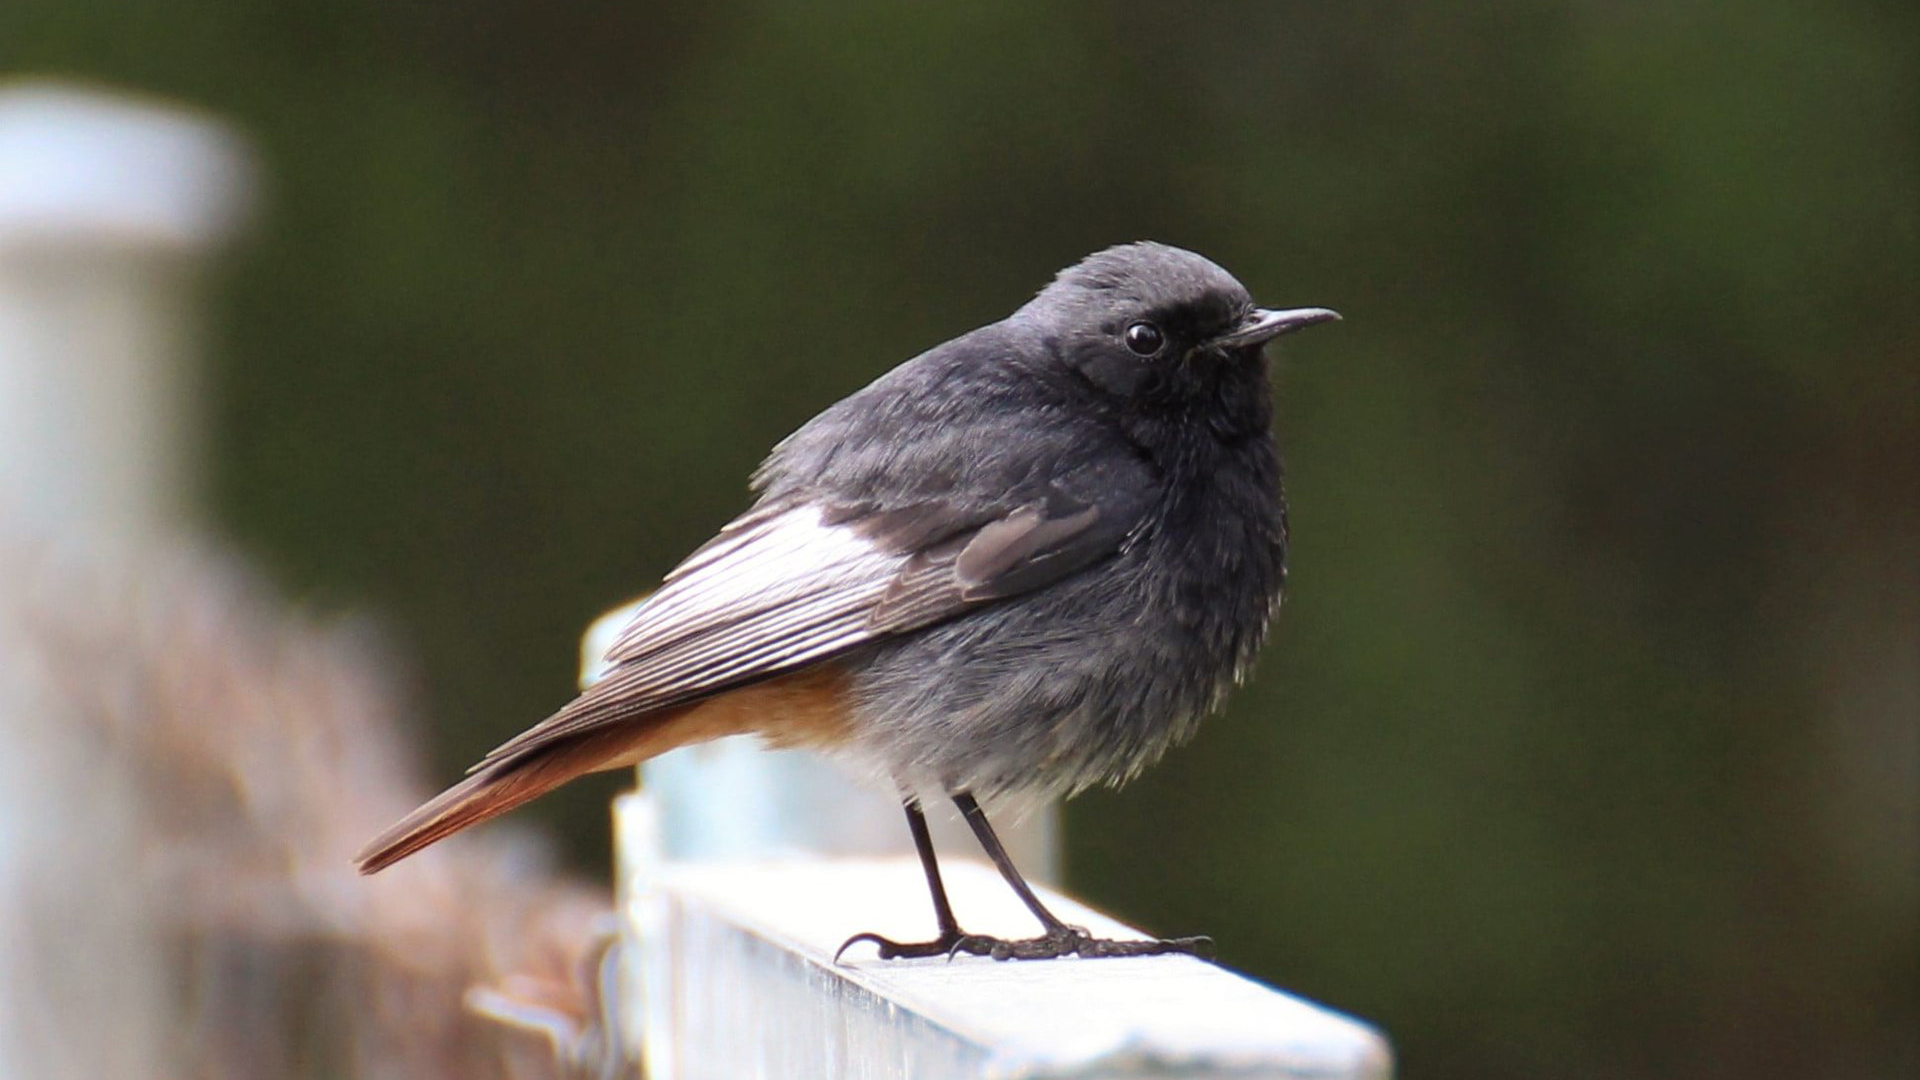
{"points": [[1092, 678]]}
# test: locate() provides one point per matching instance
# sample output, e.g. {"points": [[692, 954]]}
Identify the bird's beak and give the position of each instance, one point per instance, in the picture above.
{"points": [[1263, 325]]}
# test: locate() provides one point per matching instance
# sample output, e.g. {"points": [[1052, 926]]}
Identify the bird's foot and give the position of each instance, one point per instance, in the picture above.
{"points": [[1057, 942], [946, 945]]}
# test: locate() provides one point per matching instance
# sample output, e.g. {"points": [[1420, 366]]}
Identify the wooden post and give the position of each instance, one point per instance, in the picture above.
{"points": [[106, 206]]}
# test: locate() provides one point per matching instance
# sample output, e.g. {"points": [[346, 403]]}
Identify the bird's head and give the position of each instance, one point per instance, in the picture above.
{"points": [[1150, 323]]}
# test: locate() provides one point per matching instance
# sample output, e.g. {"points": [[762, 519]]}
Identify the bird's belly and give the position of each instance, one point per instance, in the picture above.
{"points": [[1047, 695]]}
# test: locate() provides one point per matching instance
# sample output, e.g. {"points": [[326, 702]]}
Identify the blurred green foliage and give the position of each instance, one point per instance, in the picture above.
{"points": [[1587, 745]]}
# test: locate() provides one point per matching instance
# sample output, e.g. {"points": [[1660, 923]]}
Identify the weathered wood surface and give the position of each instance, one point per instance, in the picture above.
{"points": [[732, 976]]}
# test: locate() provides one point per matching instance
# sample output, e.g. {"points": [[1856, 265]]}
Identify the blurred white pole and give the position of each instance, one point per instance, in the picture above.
{"points": [[106, 205]]}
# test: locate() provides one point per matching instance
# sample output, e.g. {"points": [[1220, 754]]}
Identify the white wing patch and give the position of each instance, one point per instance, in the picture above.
{"points": [[773, 591], [787, 585], [774, 584]]}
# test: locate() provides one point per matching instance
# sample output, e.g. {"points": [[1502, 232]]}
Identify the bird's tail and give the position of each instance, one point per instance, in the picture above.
{"points": [[593, 734], [490, 792]]}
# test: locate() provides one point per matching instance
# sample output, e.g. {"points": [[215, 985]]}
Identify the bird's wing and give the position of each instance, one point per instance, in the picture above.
{"points": [[788, 585]]}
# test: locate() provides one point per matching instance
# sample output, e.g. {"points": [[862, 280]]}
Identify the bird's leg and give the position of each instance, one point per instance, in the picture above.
{"points": [[1059, 939], [950, 934]]}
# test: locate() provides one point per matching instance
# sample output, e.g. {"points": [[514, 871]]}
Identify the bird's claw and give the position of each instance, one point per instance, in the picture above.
{"points": [[1056, 942], [945, 945]]}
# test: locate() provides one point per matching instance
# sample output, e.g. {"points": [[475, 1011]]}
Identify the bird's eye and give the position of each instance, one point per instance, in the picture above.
{"points": [[1144, 338]]}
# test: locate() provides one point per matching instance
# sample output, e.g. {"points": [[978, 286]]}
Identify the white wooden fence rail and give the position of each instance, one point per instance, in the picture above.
{"points": [[737, 887]]}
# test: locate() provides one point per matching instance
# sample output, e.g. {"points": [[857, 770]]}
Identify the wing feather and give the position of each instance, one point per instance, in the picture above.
{"points": [[785, 586]]}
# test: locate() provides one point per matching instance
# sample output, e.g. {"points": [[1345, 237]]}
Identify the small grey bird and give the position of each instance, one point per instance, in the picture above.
{"points": [[1026, 561]]}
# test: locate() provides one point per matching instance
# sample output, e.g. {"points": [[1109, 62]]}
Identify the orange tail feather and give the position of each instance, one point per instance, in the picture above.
{"points": [[807, 707], [486, 794]]}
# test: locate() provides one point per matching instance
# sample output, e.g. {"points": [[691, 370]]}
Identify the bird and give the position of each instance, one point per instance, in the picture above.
{"points": [[1026, 562]]}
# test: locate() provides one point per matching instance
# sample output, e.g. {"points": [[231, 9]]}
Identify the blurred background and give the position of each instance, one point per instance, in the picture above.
{"points": [[1590, 737]]}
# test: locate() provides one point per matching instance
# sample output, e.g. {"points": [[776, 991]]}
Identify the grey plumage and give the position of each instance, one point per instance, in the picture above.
{"points": [[1089, 676], [1034, 557]]}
